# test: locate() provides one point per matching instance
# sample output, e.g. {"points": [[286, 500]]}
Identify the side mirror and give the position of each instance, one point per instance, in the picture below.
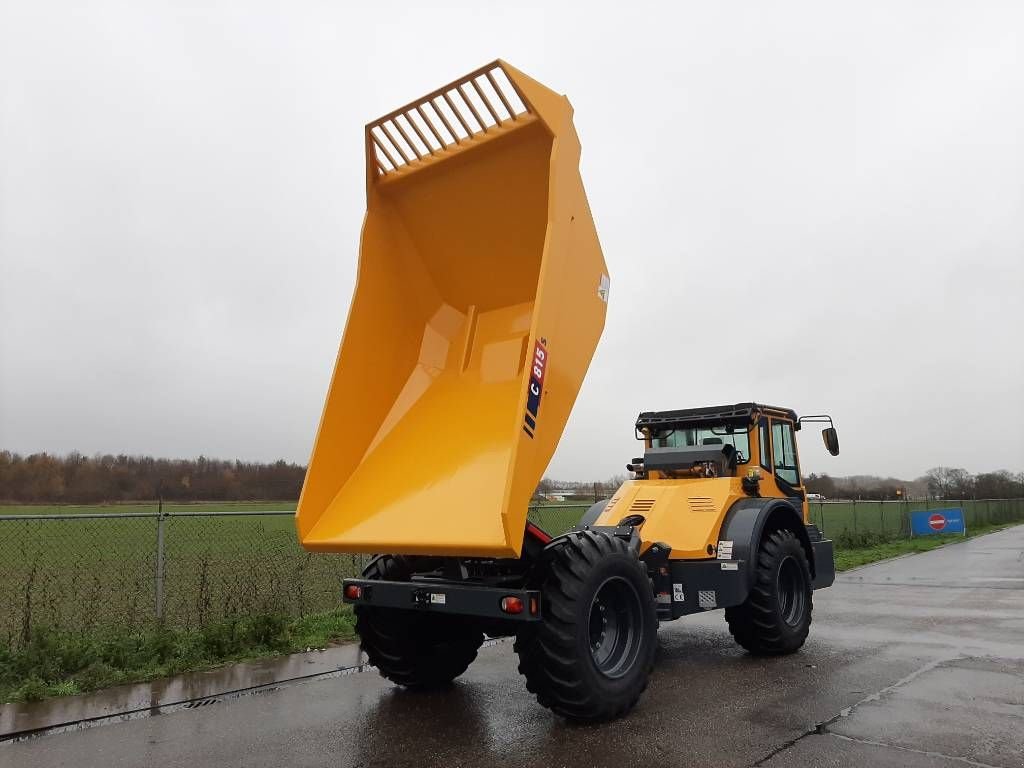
{"points": [[831, 440]]}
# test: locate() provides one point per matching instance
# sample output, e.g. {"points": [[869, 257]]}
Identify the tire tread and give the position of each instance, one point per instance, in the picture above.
{"points": [[756, 624], [412, 649], [547, 651]]}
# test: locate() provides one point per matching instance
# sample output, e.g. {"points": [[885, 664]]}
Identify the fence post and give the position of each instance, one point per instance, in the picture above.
{"points": [[160, 560], [855, 516]]}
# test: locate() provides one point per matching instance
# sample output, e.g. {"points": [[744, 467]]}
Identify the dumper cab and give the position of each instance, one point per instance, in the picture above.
{"points": [[707, 459], [711, 484]]}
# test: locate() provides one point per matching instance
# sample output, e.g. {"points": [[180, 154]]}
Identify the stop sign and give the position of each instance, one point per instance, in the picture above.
{"points": [[936, 522]]}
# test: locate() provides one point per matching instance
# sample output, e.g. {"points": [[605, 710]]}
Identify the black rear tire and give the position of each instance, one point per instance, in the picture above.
{"points": [[410, 648], [776, 616], [590, 657]]}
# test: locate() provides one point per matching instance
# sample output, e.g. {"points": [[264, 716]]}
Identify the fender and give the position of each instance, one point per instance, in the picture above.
{"points": [[591, 515], [745, 524]]}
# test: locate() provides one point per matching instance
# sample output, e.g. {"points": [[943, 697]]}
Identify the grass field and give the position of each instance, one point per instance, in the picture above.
{"points": [[78, 594], [80, 573], [890, 517], [852, 557], [84, 574]]}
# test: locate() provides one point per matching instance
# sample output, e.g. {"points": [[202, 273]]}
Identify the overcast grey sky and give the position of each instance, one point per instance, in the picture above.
{"points": [[819, 205]]}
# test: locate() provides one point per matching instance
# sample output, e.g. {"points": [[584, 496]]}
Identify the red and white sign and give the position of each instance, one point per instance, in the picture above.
{"points": [[937, 522]]}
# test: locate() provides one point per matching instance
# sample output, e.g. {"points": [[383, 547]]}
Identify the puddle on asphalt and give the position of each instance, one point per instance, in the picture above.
{"points": [[194, 690], [190, 690]]}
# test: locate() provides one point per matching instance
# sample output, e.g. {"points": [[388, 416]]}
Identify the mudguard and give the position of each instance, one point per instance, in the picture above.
{"points": [[745, 523], [594, 512]]}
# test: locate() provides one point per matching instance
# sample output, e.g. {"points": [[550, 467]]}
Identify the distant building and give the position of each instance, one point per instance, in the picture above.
{"points": [[561, 494]]}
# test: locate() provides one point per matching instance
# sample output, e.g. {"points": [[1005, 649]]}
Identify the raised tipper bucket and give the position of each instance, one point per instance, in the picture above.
{"points": [[480, 299]]}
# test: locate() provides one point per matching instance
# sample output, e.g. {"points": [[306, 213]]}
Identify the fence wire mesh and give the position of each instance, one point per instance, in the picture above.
{"points": [[127, 572], [82, 572], [62, 571], [849, 520]]}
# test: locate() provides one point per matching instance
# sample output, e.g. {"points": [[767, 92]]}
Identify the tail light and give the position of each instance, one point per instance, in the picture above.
{"points": [[512, 604]]}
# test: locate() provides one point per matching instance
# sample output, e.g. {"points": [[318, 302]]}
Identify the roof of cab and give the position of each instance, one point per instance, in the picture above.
{"points": [[740, 414]]}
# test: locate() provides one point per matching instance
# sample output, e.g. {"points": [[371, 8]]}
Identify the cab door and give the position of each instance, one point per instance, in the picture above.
{"points": [[786, 463]]}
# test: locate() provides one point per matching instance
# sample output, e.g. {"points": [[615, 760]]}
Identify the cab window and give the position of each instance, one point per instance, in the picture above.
{"points": [[762, 439], [710, 435], [784, 453]]}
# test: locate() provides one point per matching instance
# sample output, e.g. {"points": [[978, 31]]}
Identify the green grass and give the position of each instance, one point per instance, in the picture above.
{"points": [[77, 596], [86, 574], [853, 556], [60, 663], [558, 517]]}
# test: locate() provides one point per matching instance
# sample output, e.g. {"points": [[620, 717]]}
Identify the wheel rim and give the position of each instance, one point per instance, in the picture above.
{"points": [[792, 591], [615, 626]]}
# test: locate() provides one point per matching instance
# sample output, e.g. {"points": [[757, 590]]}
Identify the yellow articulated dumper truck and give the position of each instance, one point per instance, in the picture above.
{"points": [[480, 299]]}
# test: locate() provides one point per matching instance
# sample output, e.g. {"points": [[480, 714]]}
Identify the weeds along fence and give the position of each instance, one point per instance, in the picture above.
{"points": [[90, 571], [87, 572], [128, 571]]}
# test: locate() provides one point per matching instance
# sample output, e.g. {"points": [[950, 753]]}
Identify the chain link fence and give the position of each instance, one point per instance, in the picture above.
{"points": [[130, 571], [84, 571], [852, 520]]}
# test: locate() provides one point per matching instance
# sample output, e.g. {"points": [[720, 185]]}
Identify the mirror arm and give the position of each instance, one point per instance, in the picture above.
{"points": [[821, 418]]}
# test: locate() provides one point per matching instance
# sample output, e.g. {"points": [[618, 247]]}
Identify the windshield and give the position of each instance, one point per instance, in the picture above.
{"points": [[709, 435]]}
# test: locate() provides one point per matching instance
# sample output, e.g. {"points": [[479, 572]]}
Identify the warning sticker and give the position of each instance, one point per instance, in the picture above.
{"points": [[730, 566], [677, 593], [725, 550], [437, 598]]}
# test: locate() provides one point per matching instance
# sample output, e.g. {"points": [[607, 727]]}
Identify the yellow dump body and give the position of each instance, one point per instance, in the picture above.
{"points": [[480, 299]]}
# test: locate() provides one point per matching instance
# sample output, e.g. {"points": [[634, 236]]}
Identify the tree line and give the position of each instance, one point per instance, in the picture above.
{"points": [[77, 479], [951, 483]]}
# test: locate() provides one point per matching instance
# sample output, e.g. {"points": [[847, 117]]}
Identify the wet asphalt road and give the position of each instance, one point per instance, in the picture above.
{"points": [[914, 662]]}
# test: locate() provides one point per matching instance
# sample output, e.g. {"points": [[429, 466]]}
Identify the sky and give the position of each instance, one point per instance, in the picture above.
{"points": [[815, 205]]}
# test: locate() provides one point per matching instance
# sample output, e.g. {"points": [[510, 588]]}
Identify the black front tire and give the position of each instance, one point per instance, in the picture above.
{"points": [[776, 616], [590, 657], [410, 648]]}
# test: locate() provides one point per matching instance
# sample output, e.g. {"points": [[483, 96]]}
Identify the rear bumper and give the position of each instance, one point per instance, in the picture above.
{"points": [[444, 597]]}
